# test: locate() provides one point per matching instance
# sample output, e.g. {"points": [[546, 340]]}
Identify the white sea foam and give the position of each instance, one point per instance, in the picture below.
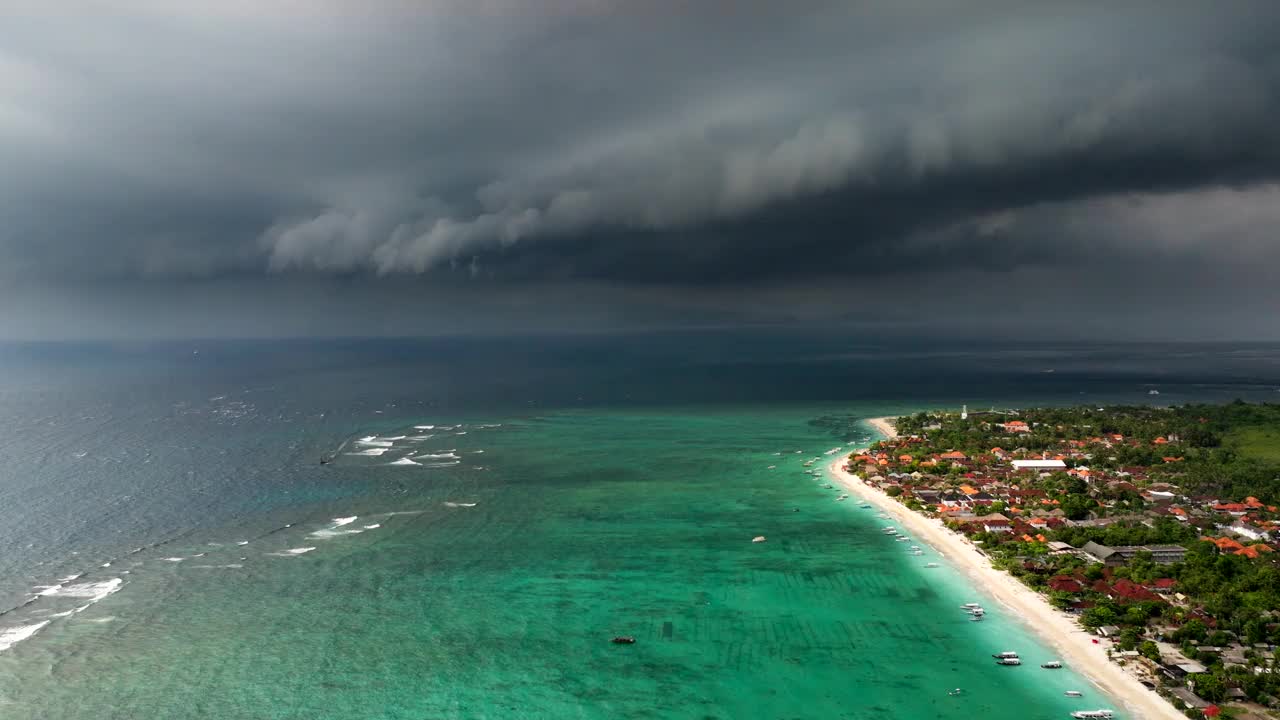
{"points": [[242, 542], [93, 591], [442, 464], [330, 533], [69, 578], [394, 438], [459, 504], [403, 461], [476, 452], [294, 551], [464, 432], [339, 522], [424, 427], [374, 452], [13, 635], [47, 590], [104, 619], [174, 559], [451, 455], [374, 526], [229, 566], [376, 443]]}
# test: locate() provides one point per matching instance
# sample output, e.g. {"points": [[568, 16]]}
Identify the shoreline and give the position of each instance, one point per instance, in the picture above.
{"points": [[1056, 628], [885, 426]]}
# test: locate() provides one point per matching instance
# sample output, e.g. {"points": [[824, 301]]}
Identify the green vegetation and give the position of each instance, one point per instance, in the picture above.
{"points": [[1260, 443]]}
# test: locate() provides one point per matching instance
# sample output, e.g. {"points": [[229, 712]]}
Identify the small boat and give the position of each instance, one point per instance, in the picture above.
{"points": [[915, 547], [969, 606], [1093, 714], [758, 539], [975, 618], [957, 691], [1073, 693], [931, 565], [1009, 661], [917, 553], [978, 612], [1052, 665], [623, 640], [1007, 654], [903, 538]]}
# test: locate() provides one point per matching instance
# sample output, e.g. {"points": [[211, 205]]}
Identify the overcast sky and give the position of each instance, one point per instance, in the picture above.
{"points": [[1090, 169]]}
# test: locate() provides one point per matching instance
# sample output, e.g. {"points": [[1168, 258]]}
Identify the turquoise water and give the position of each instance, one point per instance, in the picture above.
{"points": [[585, 525]]}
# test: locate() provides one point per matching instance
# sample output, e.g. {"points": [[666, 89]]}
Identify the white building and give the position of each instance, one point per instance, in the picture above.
{"points": [[1039, 465]]}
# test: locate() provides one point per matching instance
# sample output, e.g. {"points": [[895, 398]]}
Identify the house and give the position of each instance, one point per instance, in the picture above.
{"points": [[1119, 555], [1189, 698], [1065, 583], [1253, 532], [1060, 548]]}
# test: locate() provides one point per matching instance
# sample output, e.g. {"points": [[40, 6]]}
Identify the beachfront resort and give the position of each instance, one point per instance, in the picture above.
{"points": [[1156, 529]]}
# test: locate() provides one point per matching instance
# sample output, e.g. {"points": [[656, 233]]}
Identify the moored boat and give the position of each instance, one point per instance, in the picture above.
{"points": [[1005, 655], [623, 640], [1093, 714], [1009, 661], [1051, 665], [1073, 693]]}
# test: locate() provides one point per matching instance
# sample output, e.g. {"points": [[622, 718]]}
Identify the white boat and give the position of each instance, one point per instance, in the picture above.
{"points": [[903, 538], [1073, 693], [1007, 654], [915, 547], [931, 565], [969, 606], [1009, 661], [917, 552], [1052, 665], [979, 612], [1093, 714]]}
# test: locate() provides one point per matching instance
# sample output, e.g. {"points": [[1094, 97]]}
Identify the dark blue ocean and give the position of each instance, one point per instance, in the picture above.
{"points": [[171, 545]]}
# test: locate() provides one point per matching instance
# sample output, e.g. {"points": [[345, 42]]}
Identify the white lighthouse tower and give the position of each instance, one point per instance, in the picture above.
{"points": [[964, 412]]}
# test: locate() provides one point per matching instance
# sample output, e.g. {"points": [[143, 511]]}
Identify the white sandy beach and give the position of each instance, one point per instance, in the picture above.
{"points": [[1060, 630]]}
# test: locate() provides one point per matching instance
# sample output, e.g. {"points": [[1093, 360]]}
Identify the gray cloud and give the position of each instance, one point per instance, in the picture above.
{"points": [[637, 148]]}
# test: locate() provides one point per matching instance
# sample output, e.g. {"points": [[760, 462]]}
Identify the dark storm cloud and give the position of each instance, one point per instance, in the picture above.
{"points": [[632, 144]]}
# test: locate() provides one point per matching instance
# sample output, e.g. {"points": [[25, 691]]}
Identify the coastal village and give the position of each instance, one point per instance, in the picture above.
{"points": [[1154, 528]]}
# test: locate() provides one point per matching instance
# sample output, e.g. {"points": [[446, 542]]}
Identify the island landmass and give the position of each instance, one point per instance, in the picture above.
{"points": [[1139, 541]]}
